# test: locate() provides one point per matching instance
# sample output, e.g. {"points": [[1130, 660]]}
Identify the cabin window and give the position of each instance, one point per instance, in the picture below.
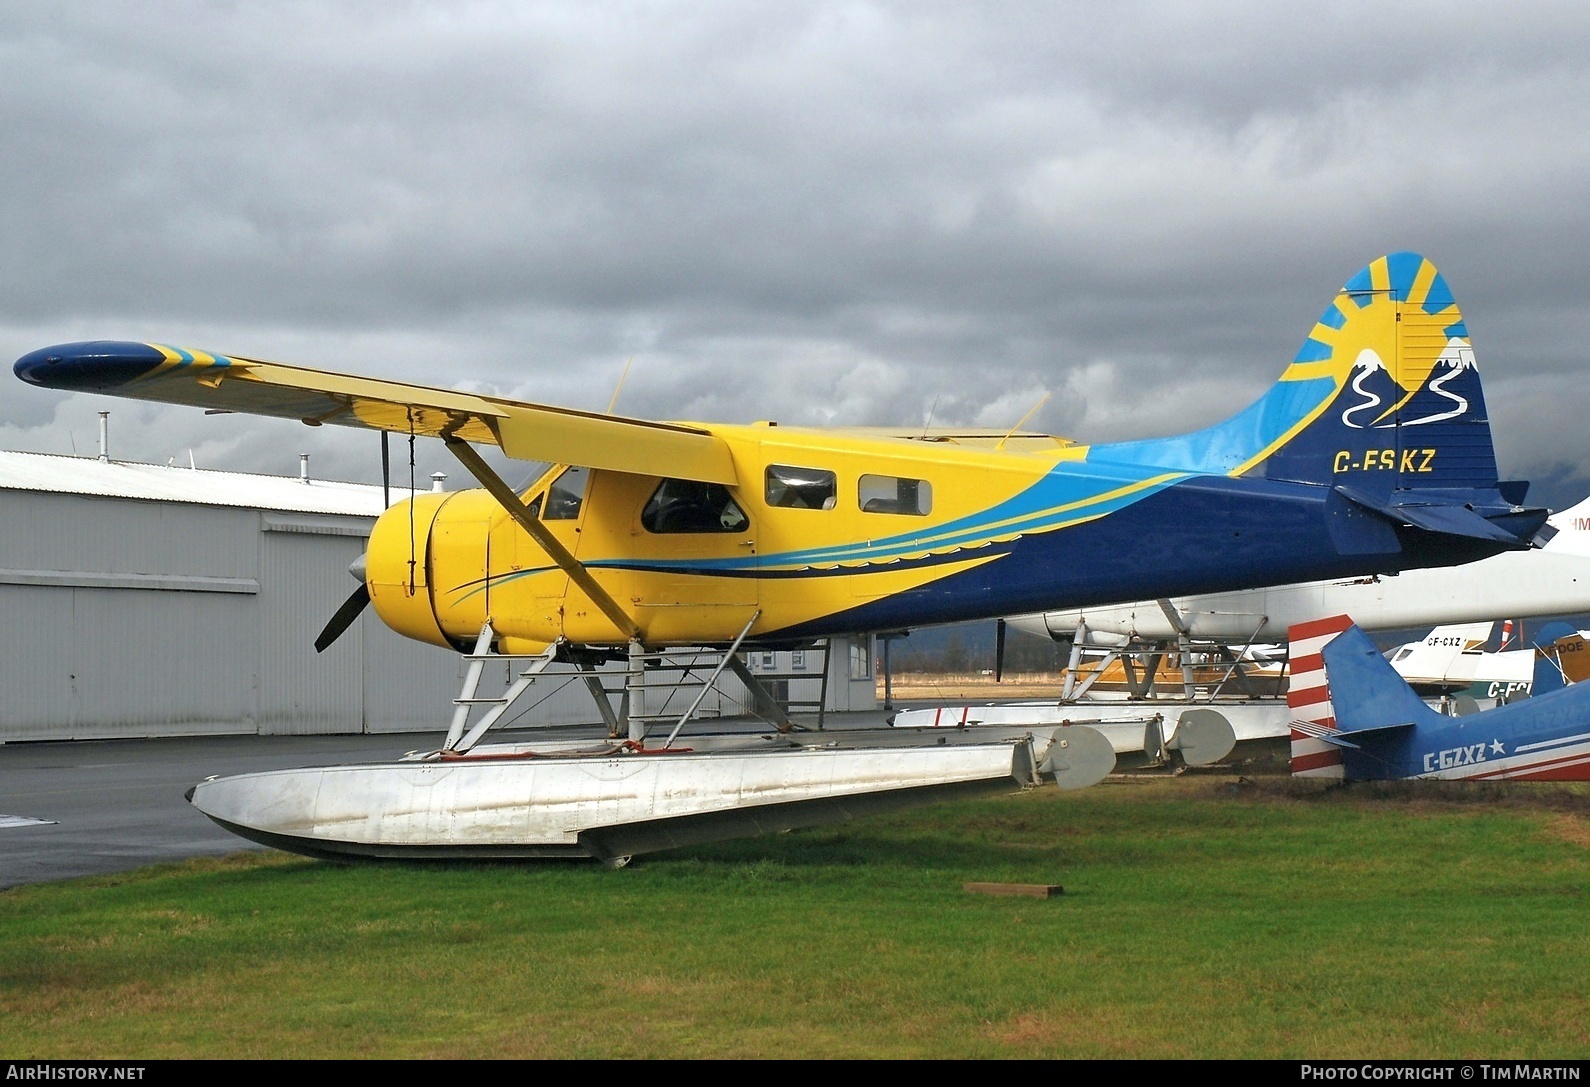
{"points": [[683, 505], [801, 488], [890, 494], [566, 494]]}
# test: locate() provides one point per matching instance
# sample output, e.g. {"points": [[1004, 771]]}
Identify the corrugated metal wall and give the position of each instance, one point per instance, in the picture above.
{"points": [[43, 531], [408, 687], [125, 618], [303, 578], [190, 669], [85, 655]]}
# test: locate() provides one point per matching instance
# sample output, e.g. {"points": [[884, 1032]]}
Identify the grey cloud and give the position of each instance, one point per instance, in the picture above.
{"points": [[822, 213]]}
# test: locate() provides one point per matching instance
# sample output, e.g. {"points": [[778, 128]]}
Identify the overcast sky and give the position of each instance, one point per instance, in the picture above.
{"points": [[823, 212]]}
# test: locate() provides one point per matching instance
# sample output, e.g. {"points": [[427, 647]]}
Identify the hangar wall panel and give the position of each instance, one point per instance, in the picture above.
{"points": [[161, 663], [100, 663], [303, 579], [35, 661], [408, 686], [42, 531]]}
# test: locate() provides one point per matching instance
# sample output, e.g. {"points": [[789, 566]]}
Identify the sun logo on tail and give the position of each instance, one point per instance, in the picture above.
{"points": [[1392, 331]]}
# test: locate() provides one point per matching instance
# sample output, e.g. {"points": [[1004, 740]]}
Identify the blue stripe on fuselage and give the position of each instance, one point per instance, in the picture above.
{"points": [[1112, 478], [1202, 535], [1227, 445]]}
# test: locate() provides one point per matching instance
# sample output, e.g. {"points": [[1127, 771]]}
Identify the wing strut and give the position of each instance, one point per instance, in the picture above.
{"points": [[527, 520]]}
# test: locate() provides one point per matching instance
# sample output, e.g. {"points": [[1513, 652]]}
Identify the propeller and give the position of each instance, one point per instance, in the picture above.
{"points": [[999, 647], [349, 611], [359, 599]]}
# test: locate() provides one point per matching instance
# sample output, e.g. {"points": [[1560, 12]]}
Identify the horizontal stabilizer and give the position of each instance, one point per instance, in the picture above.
{"points": [[1320, 732], [1347, 737], [1452, 518]]}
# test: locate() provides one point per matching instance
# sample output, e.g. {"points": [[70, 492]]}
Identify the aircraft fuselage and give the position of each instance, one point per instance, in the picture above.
{"points": [[829, 533]]}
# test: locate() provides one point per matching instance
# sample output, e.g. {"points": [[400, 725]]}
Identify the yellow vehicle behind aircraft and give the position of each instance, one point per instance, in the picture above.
{"points": [[1371, 454]]}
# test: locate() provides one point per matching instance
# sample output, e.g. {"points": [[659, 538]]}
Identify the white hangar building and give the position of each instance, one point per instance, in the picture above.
{"points": [[147, 600]]}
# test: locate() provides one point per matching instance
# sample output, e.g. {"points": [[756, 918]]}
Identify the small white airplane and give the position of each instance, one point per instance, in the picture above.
{"points": [[1453, 659], [1551, 581]]}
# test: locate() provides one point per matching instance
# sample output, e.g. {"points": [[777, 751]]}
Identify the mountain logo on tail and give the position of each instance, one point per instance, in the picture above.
{"points": [[1368, 370]]}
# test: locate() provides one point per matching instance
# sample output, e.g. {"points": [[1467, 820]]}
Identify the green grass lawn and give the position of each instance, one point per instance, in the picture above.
{"points": [[1201, 918]]}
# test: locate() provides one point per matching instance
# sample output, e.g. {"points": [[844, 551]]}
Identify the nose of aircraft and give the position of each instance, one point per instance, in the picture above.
{"points": [[93, 366]]}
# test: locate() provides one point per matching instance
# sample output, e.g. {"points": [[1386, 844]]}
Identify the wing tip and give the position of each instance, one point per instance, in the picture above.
{"points": [[90, 365]]}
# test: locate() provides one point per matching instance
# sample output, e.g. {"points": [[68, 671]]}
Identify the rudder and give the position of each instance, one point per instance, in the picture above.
{"points": [[1308, 697]]}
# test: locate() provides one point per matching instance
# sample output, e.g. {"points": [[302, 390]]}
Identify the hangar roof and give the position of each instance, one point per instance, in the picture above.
{"points": [[164, 483]]}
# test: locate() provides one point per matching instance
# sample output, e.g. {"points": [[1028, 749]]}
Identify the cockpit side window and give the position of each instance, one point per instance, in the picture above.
{"points": [[890, 494], [566, 494], [801, 488], [683, 505]]}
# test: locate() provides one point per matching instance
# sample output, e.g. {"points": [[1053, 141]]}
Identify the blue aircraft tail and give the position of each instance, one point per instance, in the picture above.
{"points": [[1405, 410], [1366, 692], [1383, 405], [1382, 730], [1347, 699]]}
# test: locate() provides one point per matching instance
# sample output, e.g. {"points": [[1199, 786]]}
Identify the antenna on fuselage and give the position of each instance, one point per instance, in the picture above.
{"points": [[1030, 413], [611, 404], [931, 410]]}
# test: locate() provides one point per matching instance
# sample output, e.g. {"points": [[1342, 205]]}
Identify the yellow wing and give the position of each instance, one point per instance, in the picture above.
{"points": [[229, 383]]}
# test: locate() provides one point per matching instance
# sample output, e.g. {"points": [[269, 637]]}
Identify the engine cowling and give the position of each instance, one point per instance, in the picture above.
{"points": [[398, 569]]}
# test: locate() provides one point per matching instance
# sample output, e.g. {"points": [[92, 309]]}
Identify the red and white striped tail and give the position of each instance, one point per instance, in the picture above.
{"points": [[1308, 696]]}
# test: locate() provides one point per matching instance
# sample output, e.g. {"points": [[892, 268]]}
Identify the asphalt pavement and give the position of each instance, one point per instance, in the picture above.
{"points": [[115, 805]]}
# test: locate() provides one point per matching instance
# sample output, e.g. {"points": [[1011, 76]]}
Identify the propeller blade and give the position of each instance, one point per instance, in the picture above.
{"points": [[999, 650], [344, 618]]}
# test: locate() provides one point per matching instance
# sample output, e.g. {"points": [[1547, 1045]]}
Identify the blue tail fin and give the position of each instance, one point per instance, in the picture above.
{"points": [[1383, 406], [1402, 408], [1365, 691]]}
